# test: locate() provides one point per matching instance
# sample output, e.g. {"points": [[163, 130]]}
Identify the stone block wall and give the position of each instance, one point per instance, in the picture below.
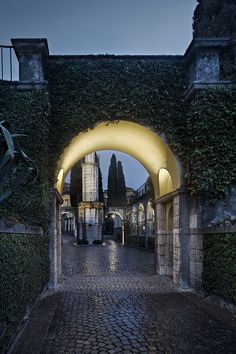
{"points": [[195, 245]]}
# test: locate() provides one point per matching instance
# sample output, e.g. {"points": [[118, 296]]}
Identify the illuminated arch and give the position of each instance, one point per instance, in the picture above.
{"points": [[165, 182], [150, 211], [131, 138], [134, 216], [68, 214], [116, 213], [141, 213]]}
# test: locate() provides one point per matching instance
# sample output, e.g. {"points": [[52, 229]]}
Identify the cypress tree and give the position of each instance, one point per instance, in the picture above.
{"points": [[76, 184], [215, 18], [121, 187], [100, 190], [101, 195], [112, 182]]}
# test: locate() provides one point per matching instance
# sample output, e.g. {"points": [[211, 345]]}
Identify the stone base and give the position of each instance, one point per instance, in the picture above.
{"points": [[91, 232]]}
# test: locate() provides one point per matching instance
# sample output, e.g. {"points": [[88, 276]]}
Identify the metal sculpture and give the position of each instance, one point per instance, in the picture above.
{"points": [[15, 166]]}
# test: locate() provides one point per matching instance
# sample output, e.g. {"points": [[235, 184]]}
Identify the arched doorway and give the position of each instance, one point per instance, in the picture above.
{"points": [[154, 154], [118, 226], [68, 222]]}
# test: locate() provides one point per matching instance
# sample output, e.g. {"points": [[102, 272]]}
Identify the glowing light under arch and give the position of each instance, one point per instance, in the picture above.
{"points": [[131, 138]]}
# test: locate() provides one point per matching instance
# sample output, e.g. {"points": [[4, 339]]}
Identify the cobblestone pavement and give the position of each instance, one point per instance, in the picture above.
{"points": [[110, 301]]}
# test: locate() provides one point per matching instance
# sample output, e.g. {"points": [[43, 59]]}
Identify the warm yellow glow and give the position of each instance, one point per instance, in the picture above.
{"points": [[165, 182], [128, 137], [60, 180]]}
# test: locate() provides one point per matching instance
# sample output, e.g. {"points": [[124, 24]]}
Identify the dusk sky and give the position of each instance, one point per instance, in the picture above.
{"points": [[100, 27]]}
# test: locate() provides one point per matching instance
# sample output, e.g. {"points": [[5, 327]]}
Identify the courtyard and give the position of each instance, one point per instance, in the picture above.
{"points": [[109, 300]]}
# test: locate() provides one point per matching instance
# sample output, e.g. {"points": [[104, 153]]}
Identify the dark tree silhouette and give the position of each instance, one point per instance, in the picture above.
{"points": [[100, 190], [112, 182], [101, 195], [76, 184], [215, 18], [121, 187]]}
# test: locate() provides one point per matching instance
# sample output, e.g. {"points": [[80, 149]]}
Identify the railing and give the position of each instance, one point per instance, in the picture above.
{"points": [[9, 66], [139, 193]]}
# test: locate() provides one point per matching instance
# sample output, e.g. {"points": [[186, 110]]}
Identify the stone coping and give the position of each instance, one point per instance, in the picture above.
{"points": [[8, 227], [198, 86], [221, 229], [205, 44]]}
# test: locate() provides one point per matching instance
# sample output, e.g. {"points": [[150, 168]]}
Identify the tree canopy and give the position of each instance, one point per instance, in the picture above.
{"points": [[121, 187], [112, 182], [215, 18], [116, 183]]}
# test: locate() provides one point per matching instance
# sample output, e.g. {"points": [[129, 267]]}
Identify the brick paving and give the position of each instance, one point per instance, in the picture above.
{"points": [[110, 301]]}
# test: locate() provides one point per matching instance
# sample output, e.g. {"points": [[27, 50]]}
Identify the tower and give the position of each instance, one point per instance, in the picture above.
{"points": [[90, 210]]}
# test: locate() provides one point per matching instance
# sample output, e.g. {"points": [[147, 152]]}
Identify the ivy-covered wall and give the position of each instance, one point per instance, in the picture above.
{"points": [[210, 142], [150, 91], [28, 112], [87, 90], [24, 274], [219, 266], [83, 91]]}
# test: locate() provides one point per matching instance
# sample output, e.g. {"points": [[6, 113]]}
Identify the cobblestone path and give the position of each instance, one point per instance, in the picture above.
{"points": [[110, 301]]}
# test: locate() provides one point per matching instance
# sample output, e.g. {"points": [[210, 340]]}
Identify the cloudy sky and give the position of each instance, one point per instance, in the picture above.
{"points": [[100, 27]]}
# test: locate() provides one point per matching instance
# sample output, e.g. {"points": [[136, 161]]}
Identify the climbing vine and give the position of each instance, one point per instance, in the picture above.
{"points": [[88, 90], [219, 267], [83, 91], [24, 274], [28, 112], [210, 144]]}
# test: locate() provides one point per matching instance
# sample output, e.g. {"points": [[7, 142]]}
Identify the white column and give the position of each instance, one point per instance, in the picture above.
{"points": [[90, 179]]}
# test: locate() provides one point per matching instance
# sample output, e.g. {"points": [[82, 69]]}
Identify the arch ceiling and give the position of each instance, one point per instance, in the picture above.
{"points": [[131, 138]]}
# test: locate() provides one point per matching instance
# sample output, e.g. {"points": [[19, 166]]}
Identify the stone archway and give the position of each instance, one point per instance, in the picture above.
{"points": [[164, 169], [131, 138], [121, 216]]}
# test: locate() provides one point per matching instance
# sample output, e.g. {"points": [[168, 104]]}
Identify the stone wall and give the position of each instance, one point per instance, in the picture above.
{"points": [[195, 245]]}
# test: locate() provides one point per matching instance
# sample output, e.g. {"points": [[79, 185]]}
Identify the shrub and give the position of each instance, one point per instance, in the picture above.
{"points": [[82, 242], [97, 242], [219, 266]]}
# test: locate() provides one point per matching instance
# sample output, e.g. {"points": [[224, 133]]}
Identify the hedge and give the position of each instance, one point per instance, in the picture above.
{"points": [[219, 265], [24, 273]]}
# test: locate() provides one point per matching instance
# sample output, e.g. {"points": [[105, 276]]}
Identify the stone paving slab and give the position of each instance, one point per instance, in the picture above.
{"points": [[110, 301]]}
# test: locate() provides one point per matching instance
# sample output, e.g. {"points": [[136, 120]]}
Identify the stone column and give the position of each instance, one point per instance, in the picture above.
{"points": [[58, 205], [181, 240], [90, 179], [207, 67], [195, 245], [54, 237], [32, 55], [160, 239], [52, 240]]}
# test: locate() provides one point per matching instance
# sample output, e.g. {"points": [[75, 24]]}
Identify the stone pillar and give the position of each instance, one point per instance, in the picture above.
{"points": [[90, 210], [181, 240], [90, 179], [160, 239], [55, 200], [207, 67], [195, 245], [32, 55], [58, 236], [146, 233]]}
